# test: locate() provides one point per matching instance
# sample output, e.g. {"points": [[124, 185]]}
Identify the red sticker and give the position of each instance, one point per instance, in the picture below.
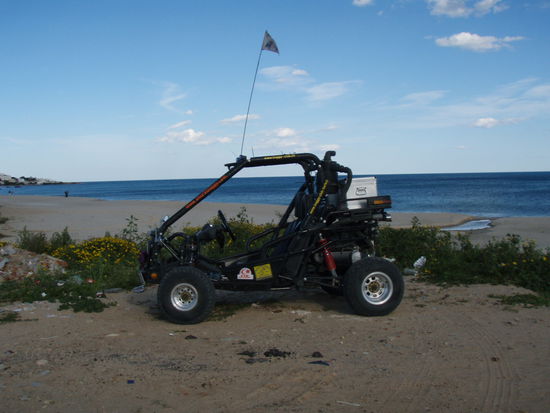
{"points": [[245, 274]]}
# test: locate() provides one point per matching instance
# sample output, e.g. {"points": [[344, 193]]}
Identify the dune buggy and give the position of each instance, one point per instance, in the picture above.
{"points": [[325, 239]]}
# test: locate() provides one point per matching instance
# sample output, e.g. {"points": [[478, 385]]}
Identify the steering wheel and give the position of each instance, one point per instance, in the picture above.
{"points": [[225, 225]]}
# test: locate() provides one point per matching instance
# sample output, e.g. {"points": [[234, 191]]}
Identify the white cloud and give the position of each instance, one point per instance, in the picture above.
{"points": [[239, 118], [186, 135], [328, 90], [450, 8], [170, 95], [509, 104], [283, 139], [286, 75], [539, 92], [179, 124], [492, 122], [423, 98], [487, 6], [329, 127], [362, 3], [285, 132], [291, 78], [287, 145], [486, 123], [465, 8], [190, 136], [475, 42], [329, 147]]}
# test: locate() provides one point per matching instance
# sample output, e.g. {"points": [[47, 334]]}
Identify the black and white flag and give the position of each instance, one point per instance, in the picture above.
{"points": [[269, 43]]}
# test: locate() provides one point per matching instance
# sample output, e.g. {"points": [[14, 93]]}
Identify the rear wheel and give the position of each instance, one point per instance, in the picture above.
{"points": [[186, 295], [373, 287]]}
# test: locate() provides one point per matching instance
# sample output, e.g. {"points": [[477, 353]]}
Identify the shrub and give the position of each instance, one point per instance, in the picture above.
{"points": [[109, 261], [59, 240], [131, 232], [456, 260], [32, 241], [38, 242]]}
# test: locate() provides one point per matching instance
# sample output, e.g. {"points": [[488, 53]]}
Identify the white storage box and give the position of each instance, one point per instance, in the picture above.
{"points": [[359, 191]]}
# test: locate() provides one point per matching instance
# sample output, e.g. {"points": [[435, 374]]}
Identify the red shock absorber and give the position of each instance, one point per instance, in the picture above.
{"points": [[330, 264]]}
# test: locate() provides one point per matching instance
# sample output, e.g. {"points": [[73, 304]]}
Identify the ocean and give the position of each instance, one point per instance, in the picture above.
{"points": [[489, 195]]}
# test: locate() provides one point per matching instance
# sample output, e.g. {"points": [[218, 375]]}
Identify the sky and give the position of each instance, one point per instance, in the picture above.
{"points": [[139, 89]]}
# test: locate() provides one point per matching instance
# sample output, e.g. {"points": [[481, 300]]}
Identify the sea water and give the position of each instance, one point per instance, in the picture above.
{"points": [[480, 194]]}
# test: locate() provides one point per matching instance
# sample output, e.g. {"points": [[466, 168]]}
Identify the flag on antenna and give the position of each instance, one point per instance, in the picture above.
{"points": [[269, 43]]}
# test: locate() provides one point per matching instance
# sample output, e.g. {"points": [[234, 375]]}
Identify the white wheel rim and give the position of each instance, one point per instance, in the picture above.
{"points": [[377, 288], [184, 296]]}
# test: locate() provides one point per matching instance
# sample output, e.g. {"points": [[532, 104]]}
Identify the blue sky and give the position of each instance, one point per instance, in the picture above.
{"points": [[124, 90]]}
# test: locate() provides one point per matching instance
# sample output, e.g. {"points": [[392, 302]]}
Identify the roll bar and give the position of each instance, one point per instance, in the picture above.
{"points": [[308, 161]]}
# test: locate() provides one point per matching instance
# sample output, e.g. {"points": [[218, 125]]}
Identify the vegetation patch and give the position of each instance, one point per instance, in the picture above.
{"points": [[93, 265], [111, 262], [222, 311], [454, 259], [38, 242], [9, 317], [69, 291], [526, 300]]}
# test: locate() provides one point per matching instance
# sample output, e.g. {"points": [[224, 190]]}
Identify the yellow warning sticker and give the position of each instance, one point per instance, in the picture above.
{"points": [[263, 271]]}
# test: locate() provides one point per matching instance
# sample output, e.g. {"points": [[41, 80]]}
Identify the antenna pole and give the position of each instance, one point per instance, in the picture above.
{"points": [[250, 99]]}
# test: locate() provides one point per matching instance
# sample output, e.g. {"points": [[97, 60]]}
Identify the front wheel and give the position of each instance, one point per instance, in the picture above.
{"points": [[186, 295], [373, 287]]}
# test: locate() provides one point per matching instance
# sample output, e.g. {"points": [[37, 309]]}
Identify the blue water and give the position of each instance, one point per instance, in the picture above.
{"points": [[480, 194]]}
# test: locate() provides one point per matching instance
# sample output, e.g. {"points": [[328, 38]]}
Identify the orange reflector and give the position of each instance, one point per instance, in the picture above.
{"points": [[154, 275], [379, 201]]}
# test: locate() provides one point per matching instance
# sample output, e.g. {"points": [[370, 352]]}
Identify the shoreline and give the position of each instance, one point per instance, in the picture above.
{"points": [[91, 217]]}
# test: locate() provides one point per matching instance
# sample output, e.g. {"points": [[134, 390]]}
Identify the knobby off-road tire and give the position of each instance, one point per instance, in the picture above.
{"points": [[186, 295], [373, 287]]}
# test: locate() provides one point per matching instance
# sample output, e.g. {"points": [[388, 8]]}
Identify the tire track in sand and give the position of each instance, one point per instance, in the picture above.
{"points": [[498, 391]]}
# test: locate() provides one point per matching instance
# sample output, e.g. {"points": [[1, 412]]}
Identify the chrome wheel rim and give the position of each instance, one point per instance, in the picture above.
{"points": [[377, 288], [184, 297]]}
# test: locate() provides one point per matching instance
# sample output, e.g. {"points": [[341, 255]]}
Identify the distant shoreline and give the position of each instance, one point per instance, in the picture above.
{"points": [[15, 186]]}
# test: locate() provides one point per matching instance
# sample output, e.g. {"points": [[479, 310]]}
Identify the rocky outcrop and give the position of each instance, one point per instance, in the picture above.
{"points": [[16, 264], [8, 180]]}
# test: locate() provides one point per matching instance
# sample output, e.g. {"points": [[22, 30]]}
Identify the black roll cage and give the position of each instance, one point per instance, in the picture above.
{"points": [[308, 161]]}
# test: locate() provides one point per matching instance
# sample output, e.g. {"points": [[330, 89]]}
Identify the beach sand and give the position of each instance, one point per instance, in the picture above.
{"points": [[86, 217], [444, 349]]}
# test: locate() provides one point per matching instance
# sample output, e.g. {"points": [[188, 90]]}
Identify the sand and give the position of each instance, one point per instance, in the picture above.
{"points": [[452, 350]]}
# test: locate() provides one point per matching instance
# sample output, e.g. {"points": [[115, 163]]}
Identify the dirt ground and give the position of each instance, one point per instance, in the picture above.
{"points": [[452, 350]]}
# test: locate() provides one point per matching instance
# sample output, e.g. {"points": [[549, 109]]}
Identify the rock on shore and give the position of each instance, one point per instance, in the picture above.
{"points": [[8, 180], [16, 264]]}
